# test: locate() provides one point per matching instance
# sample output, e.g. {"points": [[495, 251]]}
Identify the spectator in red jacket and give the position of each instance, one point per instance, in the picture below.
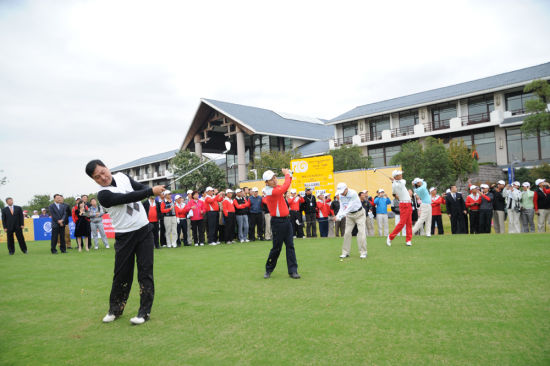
{"points": [[181, 218], [294, 202], [228, 205], [211, 200], [437, 201], [323, 212], [195, 211], [473, 202], [541, 200]]}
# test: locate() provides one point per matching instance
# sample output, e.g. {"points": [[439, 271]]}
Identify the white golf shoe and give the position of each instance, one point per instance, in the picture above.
{"points": [[408, 243], [363, 256], [388, 241], [137, 320], [109, 318]]}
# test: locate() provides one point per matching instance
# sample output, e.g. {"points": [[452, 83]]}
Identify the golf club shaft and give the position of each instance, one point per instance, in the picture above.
{"points": [[192, 170]]}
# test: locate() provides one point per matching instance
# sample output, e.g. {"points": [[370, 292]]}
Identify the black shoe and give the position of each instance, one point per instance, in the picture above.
{"points": [[63, 252], [12, 253], [54, 252], [267, 275], [295, 275]]}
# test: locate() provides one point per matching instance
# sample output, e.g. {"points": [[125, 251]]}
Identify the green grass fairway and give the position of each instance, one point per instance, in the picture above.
{"points": [[451, 300]]}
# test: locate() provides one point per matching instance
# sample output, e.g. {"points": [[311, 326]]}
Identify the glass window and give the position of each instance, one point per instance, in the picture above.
{"points": [[486, 146], [288, 144], [408, 118], [274, 143], [545, 145], [390, 152], [442, 113], [479, 108], [377, 156], [379, 124], [530, 147], [349, 129], [513, 142], [515, 102]]}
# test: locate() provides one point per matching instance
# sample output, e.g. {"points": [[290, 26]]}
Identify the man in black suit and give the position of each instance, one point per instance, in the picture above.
{"points": [[58, 210], [456, 209], [13, 222]]}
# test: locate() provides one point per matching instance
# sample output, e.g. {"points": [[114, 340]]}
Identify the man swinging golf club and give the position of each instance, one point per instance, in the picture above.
{"points": [[121, 196], [405, 207]]}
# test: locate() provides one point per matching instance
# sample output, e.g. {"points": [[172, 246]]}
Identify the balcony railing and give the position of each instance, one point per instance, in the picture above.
{"points": [[437, 125], [402, 131], [517, 111], [343, 141], [473, 119]]}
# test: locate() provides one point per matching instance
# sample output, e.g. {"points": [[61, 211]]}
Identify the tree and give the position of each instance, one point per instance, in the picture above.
{"points": [[410, 159], [350, 157], [462, 162], [523, 175], [272, 160], [437, 164], [2, 205], [208, 175], [38, 201], [542, 171], [539, 120]]}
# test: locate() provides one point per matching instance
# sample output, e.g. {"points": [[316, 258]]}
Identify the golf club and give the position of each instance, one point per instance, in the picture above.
{"points": [[227, 148], [375, 169]]}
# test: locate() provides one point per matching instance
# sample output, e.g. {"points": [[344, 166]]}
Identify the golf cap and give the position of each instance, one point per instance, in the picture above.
{"points": [[516, 183], [292, 190], [501, 182], [526, 184], [238, 190], [327, 194], [381, 190], [228, 191], [254, 189], [177, 197], [268, 175], [308, 189], [396, 173], [341, 187], [539, 181], [484, 185], [416, 180], [43, 209], [473, 187], [189, 191], [432, 189], [209, 189], [321, 195], [166, 192], [35, 211], [77, 198]]}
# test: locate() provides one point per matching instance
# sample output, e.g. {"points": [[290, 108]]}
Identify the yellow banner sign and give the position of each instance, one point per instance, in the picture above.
{"points": [[316, 173], [28, 232]]}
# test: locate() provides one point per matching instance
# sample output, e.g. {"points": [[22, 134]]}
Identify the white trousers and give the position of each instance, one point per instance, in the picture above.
{"points": [[171, 226], [425, 217], [370, 225], [543, 220], [352, 219], [513, 222], [382, 220]]}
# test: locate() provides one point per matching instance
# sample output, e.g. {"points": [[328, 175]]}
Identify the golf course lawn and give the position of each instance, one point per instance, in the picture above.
{"points": [[448, 300]]}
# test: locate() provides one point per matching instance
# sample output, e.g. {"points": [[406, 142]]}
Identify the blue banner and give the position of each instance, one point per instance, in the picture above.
{"points": [[43, 228], [510, 175]]}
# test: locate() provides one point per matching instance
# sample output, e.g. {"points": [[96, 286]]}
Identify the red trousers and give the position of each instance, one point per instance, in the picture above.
{"points": [[405, 218]]}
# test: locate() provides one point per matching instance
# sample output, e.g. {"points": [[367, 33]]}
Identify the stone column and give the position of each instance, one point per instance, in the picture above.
{"points": [[198, 146], [241, 155]]}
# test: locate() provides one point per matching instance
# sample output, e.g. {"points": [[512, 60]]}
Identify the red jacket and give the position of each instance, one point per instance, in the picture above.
{"points": [[197, 207], [473, 204], [211, 202], [244, 205], [295, 203], [536, 198], [152, 214], [228, 206], [180, 211], [323, 209], [275, 201], [437, 201]]}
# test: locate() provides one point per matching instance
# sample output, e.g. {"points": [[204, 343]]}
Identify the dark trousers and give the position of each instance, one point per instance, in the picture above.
{"points": [[197, 228], [182, 227], [474, 222], [155, 229], [281, 229], [323, 227], [436, 219], [256, 225], [58, 232], [162, 231], [135, 246], [485, 217], [297, 227], [212, 217], [457, 223], [20, 239], [230, 226], [311, 227]]}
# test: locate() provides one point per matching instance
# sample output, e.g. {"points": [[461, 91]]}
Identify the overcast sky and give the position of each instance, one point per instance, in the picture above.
{"points": [[119, 80]]}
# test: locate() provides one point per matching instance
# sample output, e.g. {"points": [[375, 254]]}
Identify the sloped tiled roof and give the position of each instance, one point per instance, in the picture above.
{"points": [[267, 122], [147, 160], [495, 82], [314, 148]]}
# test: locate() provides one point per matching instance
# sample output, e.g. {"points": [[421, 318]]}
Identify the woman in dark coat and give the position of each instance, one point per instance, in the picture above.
{"points": [[82, 226]]}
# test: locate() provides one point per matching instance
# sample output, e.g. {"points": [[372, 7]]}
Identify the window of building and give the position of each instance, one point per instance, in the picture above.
{"points": [[274, 143], [480, 108], [515, 102], [379, 124], [441, 115], [526, 148], [408, 118], [349, 129], [382, 156], [485, 146], [287, 142], [545, 145]]}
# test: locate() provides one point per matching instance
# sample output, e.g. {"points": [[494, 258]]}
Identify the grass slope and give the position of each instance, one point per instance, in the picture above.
{"points": [[456, 300]]}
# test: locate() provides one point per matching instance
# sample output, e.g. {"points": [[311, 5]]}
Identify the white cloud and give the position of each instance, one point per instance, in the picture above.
{"points": [[120, 80]]}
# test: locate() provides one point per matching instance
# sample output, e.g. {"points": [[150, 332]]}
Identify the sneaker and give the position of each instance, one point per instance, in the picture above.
{"points": [[201, 244], [408, 243], [107, 247], [388, 241], [96, 248], [295, 275], [137, 320], [247, 241], [164, 246], [267, 275], [344, 256], [196, 245], [217, 242], [242, 241], [428, 235], [227, 242], [109, 318], [363, 256], [211, 243]]}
